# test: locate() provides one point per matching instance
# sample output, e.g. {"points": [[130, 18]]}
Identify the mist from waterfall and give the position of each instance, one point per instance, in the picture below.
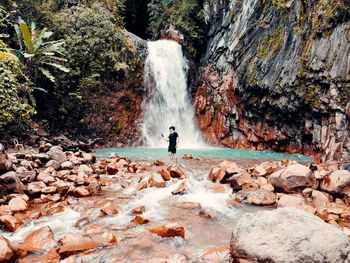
{"points": [[168, 101]]}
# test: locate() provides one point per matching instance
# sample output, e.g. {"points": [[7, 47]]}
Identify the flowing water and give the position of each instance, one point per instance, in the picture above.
{"points": [[168, 102]]}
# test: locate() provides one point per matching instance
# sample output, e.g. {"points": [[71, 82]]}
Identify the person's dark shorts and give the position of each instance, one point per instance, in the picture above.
{"points": [[172, 149]]}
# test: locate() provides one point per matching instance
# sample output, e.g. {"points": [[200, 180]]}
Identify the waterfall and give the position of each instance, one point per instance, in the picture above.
{"points": [[168, 102]]}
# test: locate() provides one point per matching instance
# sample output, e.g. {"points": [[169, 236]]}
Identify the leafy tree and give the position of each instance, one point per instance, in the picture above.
{"points": [[14, 88]]}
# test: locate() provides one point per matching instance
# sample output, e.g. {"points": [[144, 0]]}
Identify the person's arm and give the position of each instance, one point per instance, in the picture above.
{"points": [[177, 142], [165, 139]]}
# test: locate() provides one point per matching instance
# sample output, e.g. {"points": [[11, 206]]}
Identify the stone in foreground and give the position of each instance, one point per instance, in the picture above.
{"points": [[168, 230], [288, 235]]}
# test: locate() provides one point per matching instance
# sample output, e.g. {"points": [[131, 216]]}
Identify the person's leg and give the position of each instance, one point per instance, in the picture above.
{"points": [[171, 157], [175, 158]]}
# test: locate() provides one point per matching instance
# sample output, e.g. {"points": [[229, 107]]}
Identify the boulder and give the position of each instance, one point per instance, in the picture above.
{"points": [[320, 199], [294, 178], [86, 169], [106, 238], [256, 197], [55, 153], [156, 180], [18, 204], [10, 222], [111, 169], [216, 174], [240, 179], [338, 182], [94, 187], [25, 175], [165, 174], [8, 252], [11, 182], [82, 178], [168, 230], [54, 164], [61, 186], [295, 201], [216, 255], [176, 172], [138, 220], [75, 243], [81, 192], [288, 235], [5, 163], [110, 209], [181, 189], [39, 240]]}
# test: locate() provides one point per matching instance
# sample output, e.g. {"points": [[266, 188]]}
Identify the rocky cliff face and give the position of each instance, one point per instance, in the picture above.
{"points": [[276, 75]]}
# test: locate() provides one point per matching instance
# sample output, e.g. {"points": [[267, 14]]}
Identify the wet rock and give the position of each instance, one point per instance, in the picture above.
{"points": [[187, 157], [107, 238], [288, 235], [11, 182], [165, 174], [138, 220], [111, 169], [34, 188], [61, 186], [94, 229], [55, 153], [294, 178], [50, 256], [94, 187], [18, 204], [39, 240], [75, 243], [176, 172], [54, 164], [141, 185], [52, 210], [110, 209], [181, 189], [10, 222], [25, 175], [295, 201], [8, 252], [338, 182], [81, 192], [216, 255], [240, 179], [156, 180], [216, 174], [138, 210], [256, 196], [158, 163], [206, 214], [168, 230]]}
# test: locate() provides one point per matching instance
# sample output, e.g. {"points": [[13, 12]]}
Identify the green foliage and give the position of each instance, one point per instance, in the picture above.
{"points": [[187, 16], [14, 87], [38, 53]]}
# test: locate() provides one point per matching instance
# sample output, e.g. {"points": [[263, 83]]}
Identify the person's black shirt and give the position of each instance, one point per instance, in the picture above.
{"points": [[172, 139]]}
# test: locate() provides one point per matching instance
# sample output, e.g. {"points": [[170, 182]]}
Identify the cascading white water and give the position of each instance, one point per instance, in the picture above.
{"points": [[168, 102]]}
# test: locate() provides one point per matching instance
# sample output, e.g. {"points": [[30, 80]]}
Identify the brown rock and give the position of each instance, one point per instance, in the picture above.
{"points": [[110, 209], [25, 175], [216, 174], [81, 192], [8, 252], [18, 204], [295, 201], [206, 214], [338, 182], [158, 163], [256, 196], [86, 169], [94, 187], [321, 199], [53, 163], [67, 165], [259, 171], [11, 182], [82, 178], [39, 240], [138, 220], [138, 210], [176, 172], [168, 230], [240, 179], [49, 190], [111, 169], [165, 174], [62, 174], [141, 185], [156, 180], [61, 186], [180, 190], [187, 157], [94, 229], [75, 243], [34, 188], [106, 238], [55, 153], [217, 254], [10, 222]]}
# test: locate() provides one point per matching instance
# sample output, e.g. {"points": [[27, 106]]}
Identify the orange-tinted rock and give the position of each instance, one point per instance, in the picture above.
{"points": [[256, 197], [110, 209], [259, 171], [158, 163], [240, 179], [107, 238], [10, 222], [61, 186], [176, 172], [338, 182], [49, 190], [165, 174], [216, 174], [168, 230], [295, 201], [111, 169], [75, 243], [8, 252], [54, 210], [141, 185], [18, 204], [81, 192], [82, 178], [50, 257], [187, 157], [181, 189], [94, 229], [216, 255], [94, 187], [138, 210], [138, 220], [39, 240], [156, 180], [206, 214]]}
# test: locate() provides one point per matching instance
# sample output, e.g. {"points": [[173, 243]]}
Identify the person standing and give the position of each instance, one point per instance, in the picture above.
{"points": [[173, 140]]}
